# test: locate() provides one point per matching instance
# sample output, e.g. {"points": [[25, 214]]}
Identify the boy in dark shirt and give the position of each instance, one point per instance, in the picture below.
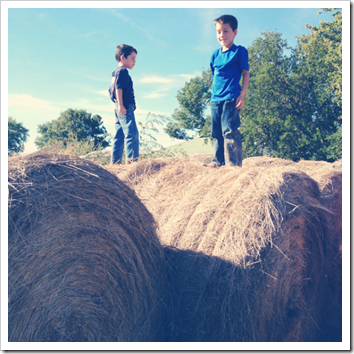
{"points": [[125, 125], [227, 65]]}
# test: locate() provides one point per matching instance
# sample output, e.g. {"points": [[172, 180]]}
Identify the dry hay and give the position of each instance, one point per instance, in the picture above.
{"points": [[85, 263], [229, 212], [329, 179], [246, 247]]}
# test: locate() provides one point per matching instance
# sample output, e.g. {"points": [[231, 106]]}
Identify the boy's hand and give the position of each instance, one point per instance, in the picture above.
{"points": [[240, 101], [122, 109]]}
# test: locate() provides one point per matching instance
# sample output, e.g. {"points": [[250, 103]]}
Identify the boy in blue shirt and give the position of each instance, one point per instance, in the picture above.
{"points": [[122, 93], [227, 65]]}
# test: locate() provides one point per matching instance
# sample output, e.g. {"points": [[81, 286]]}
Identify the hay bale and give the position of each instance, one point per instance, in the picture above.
{"points": [[245, 247], [271, 292], [329, 178], [85, 263]]}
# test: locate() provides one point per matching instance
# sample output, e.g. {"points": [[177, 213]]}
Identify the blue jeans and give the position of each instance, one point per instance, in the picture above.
{"points": [[126, 131], [227, 139]]}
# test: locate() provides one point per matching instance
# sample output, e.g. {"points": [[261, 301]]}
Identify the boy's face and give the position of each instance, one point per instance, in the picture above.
{"points": [[128, 62], [225, 35]]}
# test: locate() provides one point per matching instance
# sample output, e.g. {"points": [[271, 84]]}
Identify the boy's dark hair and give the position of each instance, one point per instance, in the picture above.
{"points": [[231, 20], [124, 49]]}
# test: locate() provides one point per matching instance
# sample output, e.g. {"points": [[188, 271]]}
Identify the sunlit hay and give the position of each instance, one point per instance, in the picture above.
{"points": [[227, 212], [153, 179], [139, 172], [278, 297], [257, 235], [248, 253], [85, 263], [266, 161], [202, 158]]}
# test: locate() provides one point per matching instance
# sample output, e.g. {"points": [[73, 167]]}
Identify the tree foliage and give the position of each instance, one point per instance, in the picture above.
{"points": [[17, 136], [291, 112], [193, 99], [293, 106], [73, 123], [321, 55]]}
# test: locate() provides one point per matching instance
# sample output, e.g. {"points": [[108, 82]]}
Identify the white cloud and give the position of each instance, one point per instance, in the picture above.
{"points": [[156, 94], [170, 80], [163, 84], [155, 80], [83, 103], [24, 100]]}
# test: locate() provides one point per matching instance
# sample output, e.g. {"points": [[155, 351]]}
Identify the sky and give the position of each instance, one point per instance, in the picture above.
{"points": [[61, 55]]}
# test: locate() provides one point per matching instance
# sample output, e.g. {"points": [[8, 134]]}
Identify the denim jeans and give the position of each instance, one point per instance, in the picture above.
{"points": [[227, 139], [126, 132]]}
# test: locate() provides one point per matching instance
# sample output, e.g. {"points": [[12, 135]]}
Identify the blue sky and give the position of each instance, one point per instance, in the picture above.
{"points": [[60, 58]]}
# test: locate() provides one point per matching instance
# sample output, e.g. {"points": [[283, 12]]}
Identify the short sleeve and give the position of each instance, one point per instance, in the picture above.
{"points": [[244, 60], [212, 64], [122, 80], [212, 59]]}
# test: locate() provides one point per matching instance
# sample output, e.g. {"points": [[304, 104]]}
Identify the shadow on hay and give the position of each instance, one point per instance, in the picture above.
{"points": [[85, 263], [291, 295], [215, 301], [331, 198]]}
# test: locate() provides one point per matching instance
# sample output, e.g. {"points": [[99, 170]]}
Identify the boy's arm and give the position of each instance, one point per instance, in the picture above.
{"points": [[240, 102], [119, 94]]}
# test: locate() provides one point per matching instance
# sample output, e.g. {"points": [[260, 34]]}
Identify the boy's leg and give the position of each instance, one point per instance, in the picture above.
{"points": [[118, 143], [232, 136], [131, 134], [216, 134]]}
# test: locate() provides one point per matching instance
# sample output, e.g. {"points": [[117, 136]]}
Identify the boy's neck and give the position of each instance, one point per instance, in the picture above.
{"points": [[224, 49]]}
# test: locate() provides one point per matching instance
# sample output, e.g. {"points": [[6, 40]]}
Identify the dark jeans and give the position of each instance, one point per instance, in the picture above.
{"points": [[227, 139], [126, 131]]}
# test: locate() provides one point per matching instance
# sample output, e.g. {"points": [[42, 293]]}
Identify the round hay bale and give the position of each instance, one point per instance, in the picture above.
{"points": [[266, 161], [85, 263], [202, 158], [246, 248], [231, 285], [136, 173], [329, 179]]}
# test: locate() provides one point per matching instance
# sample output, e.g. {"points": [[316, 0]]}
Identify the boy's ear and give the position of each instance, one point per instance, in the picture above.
{"points": [[121, 57], [235, 32]]}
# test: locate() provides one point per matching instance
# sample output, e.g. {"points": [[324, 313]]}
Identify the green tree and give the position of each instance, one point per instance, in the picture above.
{"points": [[267, 102], [73, 123], [289, 112], [193, 99], [277, 117], [320, 54], [17, 136]]}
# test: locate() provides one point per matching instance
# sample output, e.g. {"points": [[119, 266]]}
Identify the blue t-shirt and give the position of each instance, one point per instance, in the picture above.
{"points": [[227, 68], [125, 83]]}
